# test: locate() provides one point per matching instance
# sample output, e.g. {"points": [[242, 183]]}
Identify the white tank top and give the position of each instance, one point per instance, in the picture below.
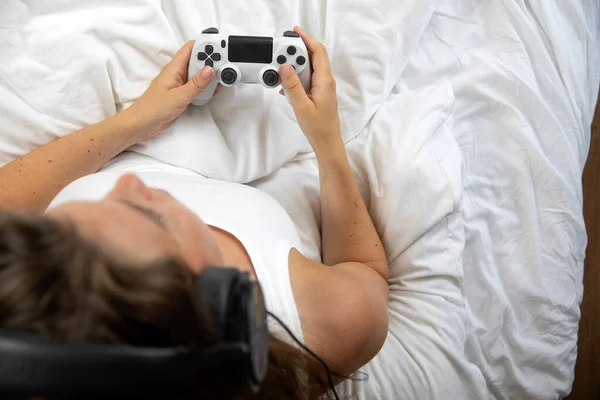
{"points": [[256, 219]]}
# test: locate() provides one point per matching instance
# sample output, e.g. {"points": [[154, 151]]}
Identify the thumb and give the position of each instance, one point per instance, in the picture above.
{"points": [[197, 83], [293, 87]]}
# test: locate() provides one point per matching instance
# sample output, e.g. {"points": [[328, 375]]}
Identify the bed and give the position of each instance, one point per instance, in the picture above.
{"points": [[467, 125]]}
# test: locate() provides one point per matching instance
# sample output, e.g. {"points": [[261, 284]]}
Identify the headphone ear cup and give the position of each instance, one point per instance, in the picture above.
{"points": [[237, 305], [259, 334], [244, 324], [215, 286]]}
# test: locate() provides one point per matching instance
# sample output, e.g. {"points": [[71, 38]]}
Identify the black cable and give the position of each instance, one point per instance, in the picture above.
{"points": [[309, 351]]}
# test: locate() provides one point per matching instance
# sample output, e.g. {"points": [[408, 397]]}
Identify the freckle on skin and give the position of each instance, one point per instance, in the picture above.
{"points": [[99, 154], [91, 139], [88, 151], [49, 161]]}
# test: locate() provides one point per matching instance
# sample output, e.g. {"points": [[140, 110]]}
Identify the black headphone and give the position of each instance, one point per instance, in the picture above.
{"points": [[31, 365]]}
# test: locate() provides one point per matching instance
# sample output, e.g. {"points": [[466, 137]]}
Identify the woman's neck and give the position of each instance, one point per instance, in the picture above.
{"points": [[234, 252]]}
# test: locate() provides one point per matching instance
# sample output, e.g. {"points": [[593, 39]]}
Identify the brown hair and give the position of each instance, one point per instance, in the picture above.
{"points": [[56, 283]]}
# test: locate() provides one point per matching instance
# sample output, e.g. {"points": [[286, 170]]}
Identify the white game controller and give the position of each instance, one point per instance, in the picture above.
{"points": [[248, 59]]}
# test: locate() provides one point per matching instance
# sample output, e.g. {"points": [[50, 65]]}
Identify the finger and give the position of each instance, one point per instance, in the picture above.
{"points": [[219, 86], [311, 43], [319, 57], [197, 83], [293, 86], [183, 55]]}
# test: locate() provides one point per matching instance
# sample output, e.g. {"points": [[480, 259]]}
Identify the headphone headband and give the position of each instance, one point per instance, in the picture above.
{"points": [[30, 364], [33, 365]]}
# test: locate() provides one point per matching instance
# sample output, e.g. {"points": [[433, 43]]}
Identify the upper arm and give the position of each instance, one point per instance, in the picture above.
{"points": [[343, 311]]}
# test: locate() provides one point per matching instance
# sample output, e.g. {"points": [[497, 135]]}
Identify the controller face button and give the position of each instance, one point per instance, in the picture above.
{"points": [[281, 59], [216, 57], [291, 34], [229, 76], [291, 50], [209, 49], [271, 78], [213, 31], [300, 60], [209, 63], [202, 56]]}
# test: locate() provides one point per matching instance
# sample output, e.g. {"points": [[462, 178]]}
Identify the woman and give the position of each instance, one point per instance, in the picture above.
{"points": [[117, 267]]}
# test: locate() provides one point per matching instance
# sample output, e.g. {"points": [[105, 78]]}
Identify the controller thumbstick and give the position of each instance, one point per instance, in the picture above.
{"points": [[229, 76], [271, 78]]}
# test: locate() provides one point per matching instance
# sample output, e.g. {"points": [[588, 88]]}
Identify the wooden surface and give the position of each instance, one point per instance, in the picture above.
{"points": [[587, 371]]}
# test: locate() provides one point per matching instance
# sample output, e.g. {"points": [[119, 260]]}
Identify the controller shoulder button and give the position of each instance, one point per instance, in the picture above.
{"points": [[291, 34]]}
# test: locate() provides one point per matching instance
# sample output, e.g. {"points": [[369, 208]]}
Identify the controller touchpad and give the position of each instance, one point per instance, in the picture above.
{"points": [[251, 49]]}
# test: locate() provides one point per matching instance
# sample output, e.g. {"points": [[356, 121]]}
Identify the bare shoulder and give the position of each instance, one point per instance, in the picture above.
{"points": [[343, 310]]}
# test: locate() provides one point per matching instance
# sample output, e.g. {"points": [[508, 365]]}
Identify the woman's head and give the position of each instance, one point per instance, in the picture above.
{"points": [[140, 223], [58, 281]]}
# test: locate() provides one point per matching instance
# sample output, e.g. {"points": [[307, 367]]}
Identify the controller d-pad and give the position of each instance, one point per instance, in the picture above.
{"points": [[209, 55]]}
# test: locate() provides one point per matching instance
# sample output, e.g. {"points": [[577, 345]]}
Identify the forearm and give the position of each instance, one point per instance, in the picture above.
{"points": [[348, 233], [32, 181]]}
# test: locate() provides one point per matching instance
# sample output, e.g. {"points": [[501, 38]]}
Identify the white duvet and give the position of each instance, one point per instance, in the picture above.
{"points": [[467, 126]]}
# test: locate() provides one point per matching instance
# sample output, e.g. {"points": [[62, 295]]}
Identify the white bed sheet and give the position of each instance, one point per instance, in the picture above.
{"points": [[525, 76], [470, 157]]}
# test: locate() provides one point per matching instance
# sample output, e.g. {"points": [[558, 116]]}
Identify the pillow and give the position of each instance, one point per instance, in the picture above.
{"points": [[408, 166]]}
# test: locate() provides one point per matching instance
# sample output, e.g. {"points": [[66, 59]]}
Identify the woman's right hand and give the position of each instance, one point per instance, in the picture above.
{"points": [[317, 111], [169, 94]]}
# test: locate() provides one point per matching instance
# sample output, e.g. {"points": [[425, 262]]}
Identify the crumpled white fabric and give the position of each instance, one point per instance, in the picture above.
{"points": [[67, 64], [525, 76]]}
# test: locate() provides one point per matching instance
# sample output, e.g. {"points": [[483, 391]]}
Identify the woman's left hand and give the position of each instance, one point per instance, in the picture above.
{"points": [[169, 94]]}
